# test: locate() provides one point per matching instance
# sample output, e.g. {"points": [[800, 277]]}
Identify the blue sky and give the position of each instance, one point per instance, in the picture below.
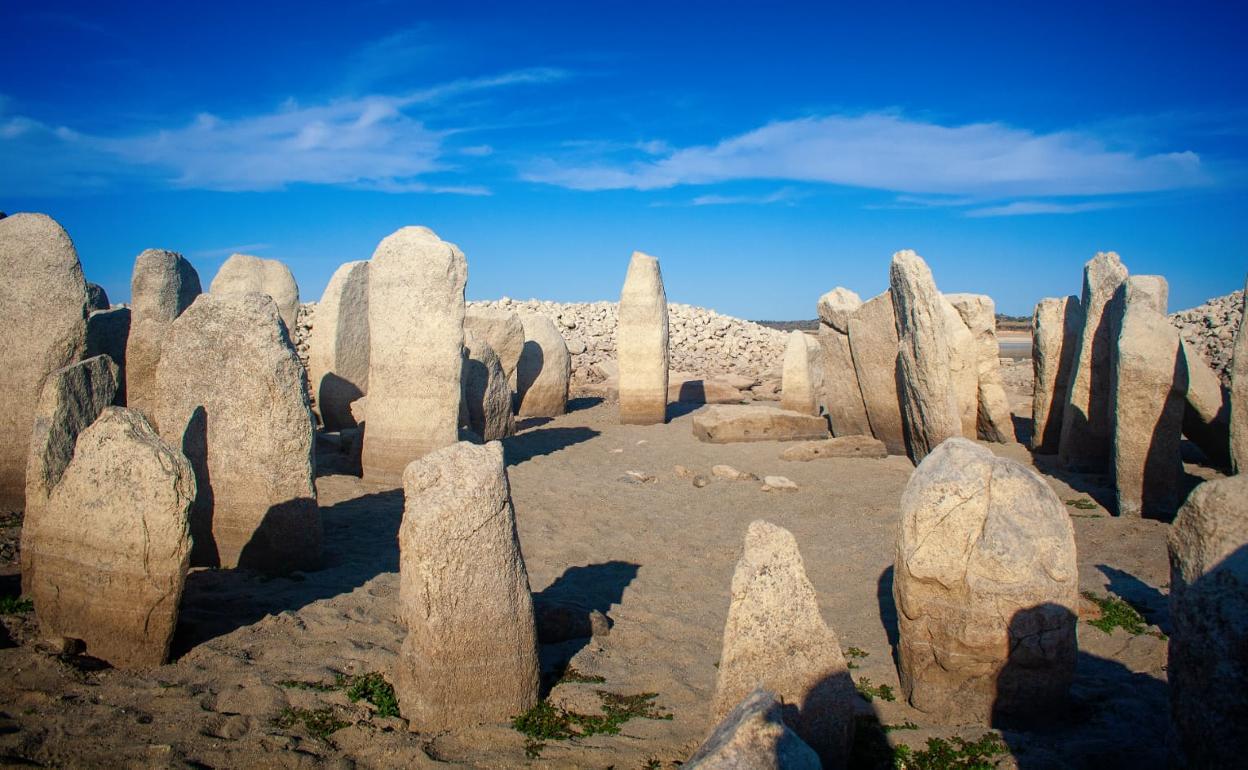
{"points": [[764, 154]]}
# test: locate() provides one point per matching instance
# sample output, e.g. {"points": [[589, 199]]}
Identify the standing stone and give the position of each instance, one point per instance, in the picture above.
{"points": [[72, 398], [994, 421], [802, 376], [339, 346], [776, 639], [1239, 392], [986, 585], [1206, 416], [840, 396], [1086, 429], [470, 654], [641, 343], [754, 737], [502, 331], [963, 365], [1055, 330], [873, 343], [231, 398], [97, 298], [243, 273], [929, 402], [416, 335], [544, 370], [487, 396], [108, 333], [114, 543], [1208, 665], [43, 327], [162, 286]]}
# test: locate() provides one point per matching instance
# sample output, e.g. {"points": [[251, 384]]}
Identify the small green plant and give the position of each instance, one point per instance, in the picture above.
{"points": [[1081, 503], [652, 764], [1117, 613], [320, 723], [870, 692], [292, 684], [15, 605], [572, 675], [851, 654], [960, 754], [906, 725], [545, 722], [374, 689]]}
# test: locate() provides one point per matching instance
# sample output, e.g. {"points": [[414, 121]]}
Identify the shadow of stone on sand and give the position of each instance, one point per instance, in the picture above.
{"points": [[563, 610], [1151, 603], [523, 447]]}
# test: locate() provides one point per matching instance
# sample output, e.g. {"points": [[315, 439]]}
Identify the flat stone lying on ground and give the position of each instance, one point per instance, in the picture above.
{"points": [[803, 374], [641, 341], [840, 446], [162, 286], [1055, 330], [726, 424], [873, 344], [243, 273], [487, 396], [338, 347], [753, 735], [544, 371]]}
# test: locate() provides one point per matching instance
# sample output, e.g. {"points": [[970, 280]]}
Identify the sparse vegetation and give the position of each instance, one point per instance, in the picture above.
{"points": [[906, 725], [957, 754], [545, 722], [320, 723], [851, 654], [1082, 503], [10, 519], [15, 605], [870, 692], [374, 689], [1118, 613], [292, 684], [570, 674]]}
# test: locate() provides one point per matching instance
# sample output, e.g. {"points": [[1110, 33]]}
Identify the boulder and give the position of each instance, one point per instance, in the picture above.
{"points": [[97, 298], [502, 331], [841, 446], [1207, 410], [230, 396], [416, 335], [986, 586], [725, 424], [873, 343], [776, 639], [927, 388], [470, 654], [753, 736], [803, 374], [836, 307], [108, 332], [544, 371], [114, 543], [487, 396], [641, 339], [338, 347], [243, 273], [994, 421], [1055, 330], [1239, 392], [1208, 662], [43, 322], [162, 286], [1086, 429]]}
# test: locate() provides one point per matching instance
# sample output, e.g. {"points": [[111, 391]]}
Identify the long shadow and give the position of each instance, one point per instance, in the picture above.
{"points": [[543, 441], [1151, 603], [563, 609], [1024, 428], [1094, 485], [682, 408], [888, 609], [584, 402], [360, 541]]}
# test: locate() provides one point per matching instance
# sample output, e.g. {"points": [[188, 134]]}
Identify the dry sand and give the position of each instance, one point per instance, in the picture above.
{"points": [[656, 557]]}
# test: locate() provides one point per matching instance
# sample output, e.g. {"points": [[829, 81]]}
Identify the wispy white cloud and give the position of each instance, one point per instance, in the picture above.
{"points": [[1022, 208], [225, 251], [783, 195]]}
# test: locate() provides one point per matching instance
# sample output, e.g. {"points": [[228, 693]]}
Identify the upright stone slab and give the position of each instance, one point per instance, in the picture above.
{"points": [[963, 358], [873, 343], [994, 421], [1208, 663], [502, 331], [544, 371], [108, 333], [641, 343], [43, 327], [114, 543], [162, 286], [929, 402], [231, 398], [840, 395], [416, 334], [1055, 330], [470, 654], [776, 639], [487, 396], [1207, 413], [243, 273], [1239, 392], [339, 345], [753, 735], [1086, 427], [986, 585], [802, 374], [72, 398]]}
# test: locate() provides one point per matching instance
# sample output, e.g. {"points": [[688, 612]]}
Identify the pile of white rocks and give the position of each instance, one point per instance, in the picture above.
{"points": [[1210, 328]]}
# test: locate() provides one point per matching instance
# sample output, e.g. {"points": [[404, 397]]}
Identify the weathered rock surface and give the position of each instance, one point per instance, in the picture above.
{"points": [[776, 639], [114, 543], [108, 332], [839, 394], [962, 369], [726, 424], [1210, 328], [162, 286], [994, 421], [643, 342], [753, 736], [803, 374], [97, 298], [338, 348], [873, 343], [1239, 393], [502, 331], [43, 327], [1055, 330], [416, 323], [543, 373], [487, 396], [1207, 414], [696, 389], [243, 273], [470, 654], [986, 586], [841, 446], [231, 398], [836, 307]]}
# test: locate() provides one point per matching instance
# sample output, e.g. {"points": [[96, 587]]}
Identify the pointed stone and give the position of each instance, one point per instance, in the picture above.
{"points": [[502, 331], [873, 343], [108, 333], [802, 375], [162, 286], [339, 346], [1055, 330], [114, 543], [776, 639], [1239, 392], [416, 334], [544, 371], [642, 343], [487, 396], [753, 736], [243, 273], [994, 420], [470, 654]]}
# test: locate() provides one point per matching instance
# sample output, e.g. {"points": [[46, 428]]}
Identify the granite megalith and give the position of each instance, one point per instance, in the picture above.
{"points": [[544, 371], [487, 396], [162, 286], [873, 343], [338, 347], [641, 343], [802, 374], [243, 273], [1055, 330]]}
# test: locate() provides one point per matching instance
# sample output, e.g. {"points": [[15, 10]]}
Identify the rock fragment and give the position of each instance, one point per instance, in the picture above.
{"points": [[502, 331], [1239, 392], [108, 333], [873, 343], [994, 421]]}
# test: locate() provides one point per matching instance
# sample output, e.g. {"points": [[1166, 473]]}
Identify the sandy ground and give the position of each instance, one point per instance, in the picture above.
{"points": [[656, 558]]}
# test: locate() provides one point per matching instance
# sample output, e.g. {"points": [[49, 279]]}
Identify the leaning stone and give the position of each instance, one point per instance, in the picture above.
{"points": [[803, 374], [994, 421], [338, 347], [753, 736], [1086, 427], [72, 399], [243, 273], [43, 314], [873, 343], [1055, 330], [1207, 414], [775, 638], [841, 446], [986, 585], [162, 286], [962, 369], [97, 298], [470, 654], [416, 334], [114, 543], [1208, 666], [641, 342], [1239, 392], [544, 371], [108, 332], [501, 330], [929, 399], [725, 424], [231, 398], [839, 394], [486, 392]]}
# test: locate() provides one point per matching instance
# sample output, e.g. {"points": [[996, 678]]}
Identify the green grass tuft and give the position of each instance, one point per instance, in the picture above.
{"points": [[15, 605], [574, 676], [958, 754], [320, 723], [374, 689], [1082, 503], [906, 725], [545, 722], [1117, 613], [870, 692]]}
